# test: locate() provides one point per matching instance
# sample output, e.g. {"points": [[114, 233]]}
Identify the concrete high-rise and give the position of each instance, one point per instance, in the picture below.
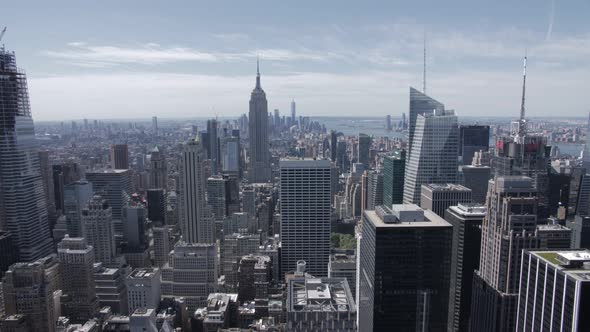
{"points": [[231, 156], [554, 291], [162, 244], [114, 186], [509, 226], [158, 169], [438, 197], [404, 262], [191, 273], [466, 220], [97, 223], [217, 196], [394, 166], [119, 156], [143, 289], [76, 264], [433, 153], [23, 207], [27, 290], [259, 169], [580, 227], [305, 214], [197, 223]]}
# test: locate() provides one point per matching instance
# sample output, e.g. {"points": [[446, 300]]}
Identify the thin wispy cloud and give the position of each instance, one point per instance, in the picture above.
{"points": [[83, 54]]}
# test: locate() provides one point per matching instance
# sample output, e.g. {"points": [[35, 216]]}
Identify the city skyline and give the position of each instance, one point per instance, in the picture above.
{"points": [[193, 57]]}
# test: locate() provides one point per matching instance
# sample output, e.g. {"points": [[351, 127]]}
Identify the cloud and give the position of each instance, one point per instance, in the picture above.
{"points": [[371, 93], [85, 55]]}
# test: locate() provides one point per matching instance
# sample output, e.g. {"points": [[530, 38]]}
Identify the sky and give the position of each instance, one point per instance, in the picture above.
{"points": [[183, 59]]}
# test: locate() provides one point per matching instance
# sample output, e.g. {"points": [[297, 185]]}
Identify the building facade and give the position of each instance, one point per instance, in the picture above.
{"points": [[305, 214], [23, 206]]}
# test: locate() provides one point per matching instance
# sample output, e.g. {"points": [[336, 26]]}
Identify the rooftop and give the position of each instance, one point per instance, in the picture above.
{"points": [[304, 163], [384, 217], [573, 262], [469, 209], [320, 294], [143, 273], [445, 187]]}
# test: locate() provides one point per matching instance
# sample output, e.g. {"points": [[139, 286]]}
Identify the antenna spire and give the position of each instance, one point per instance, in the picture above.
{"points": [[424, 73], [2, 33], [258, 72], [522, 120]]}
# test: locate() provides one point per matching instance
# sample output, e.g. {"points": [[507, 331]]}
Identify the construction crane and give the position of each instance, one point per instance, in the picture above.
{"points": [[2, 33]]}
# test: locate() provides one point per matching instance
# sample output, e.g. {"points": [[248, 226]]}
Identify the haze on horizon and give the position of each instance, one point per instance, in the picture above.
{"points": [[136, 59]]}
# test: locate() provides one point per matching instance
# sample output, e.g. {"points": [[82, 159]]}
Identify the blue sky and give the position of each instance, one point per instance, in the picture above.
{"points": [[135, 59]]}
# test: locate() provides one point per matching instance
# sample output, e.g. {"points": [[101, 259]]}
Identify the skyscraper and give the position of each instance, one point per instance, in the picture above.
{"points": [[231, 156], [191, 273], [217, 196], [259, 170], [155, 124], [213, 145], [97, 223], [76, 197], [23, 207], [156, 199], [586, 152], [143, 289], [403, 270], [158, 169], [305, 214], [526, 155], [197, 224], [28, 291], [364, 142], [293, 113], [394, 166], [554, 291], [473, 138], [433, 154], [119, 156], [76, 263], [509, 226], [333, 145], [114, 186], [420, 104], [438, 197], [466, 220]]}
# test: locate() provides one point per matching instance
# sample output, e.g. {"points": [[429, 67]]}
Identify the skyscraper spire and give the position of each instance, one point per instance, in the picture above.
{"points": [[424, 73], [258, 73], [522, 121]]}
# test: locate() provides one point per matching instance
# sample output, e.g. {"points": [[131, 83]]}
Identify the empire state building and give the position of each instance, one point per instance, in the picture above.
{"points": [[259, 170]]}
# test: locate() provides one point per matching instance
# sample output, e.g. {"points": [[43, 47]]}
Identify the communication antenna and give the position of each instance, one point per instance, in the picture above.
{"points": [[2, 33], [522, 121], [424, 68]]}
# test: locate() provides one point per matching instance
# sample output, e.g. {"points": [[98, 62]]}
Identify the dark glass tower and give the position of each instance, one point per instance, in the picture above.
{"points": [[403, 274], [393, 178], [23, 207], [472, 139]]}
